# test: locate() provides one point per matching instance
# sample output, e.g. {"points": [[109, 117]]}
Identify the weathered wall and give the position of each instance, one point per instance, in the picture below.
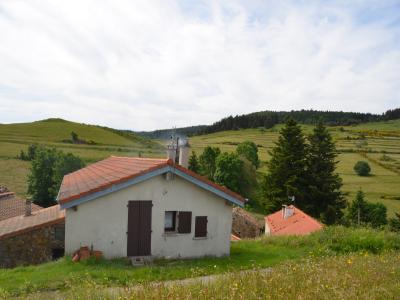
{"points": [[33, 247], [103, 222], [244, 225]]}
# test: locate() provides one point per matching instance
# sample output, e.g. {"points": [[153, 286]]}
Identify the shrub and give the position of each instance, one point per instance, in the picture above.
{"points": [[362, 168], [361, 212]]}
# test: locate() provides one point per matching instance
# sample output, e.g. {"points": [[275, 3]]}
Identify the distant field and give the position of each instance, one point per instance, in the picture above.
{"points": [[380, 138], [51, 133]]}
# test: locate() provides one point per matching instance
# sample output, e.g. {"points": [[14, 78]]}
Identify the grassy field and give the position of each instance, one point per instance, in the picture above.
{"points": [[63, 275], [316, 278], [102, 142], [382, 138]]}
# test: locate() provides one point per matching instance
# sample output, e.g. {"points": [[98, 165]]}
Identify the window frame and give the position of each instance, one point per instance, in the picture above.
{"points": [[174, 221]]}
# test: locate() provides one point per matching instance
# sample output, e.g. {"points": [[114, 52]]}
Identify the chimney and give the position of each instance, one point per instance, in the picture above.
{"points": [[171, 152], [287, 211], [28, 207], [184, 154]]}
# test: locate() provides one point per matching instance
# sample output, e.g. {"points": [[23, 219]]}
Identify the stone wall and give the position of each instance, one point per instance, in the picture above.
{"points": [[244, 225], [33, 247]]}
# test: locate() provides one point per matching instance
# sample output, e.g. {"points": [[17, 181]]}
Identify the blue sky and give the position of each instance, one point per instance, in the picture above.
{"points": [[145, 65]]}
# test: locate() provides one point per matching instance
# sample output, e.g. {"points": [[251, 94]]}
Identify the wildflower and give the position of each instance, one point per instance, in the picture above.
{"points": [[349, 261]]}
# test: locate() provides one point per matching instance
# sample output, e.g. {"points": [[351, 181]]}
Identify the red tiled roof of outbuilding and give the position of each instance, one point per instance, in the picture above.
{"points": [[40, 218], [114, 170], [12, 206], [298, 224]]}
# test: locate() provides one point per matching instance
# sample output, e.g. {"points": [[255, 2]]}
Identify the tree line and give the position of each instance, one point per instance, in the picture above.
{"points": [[267, 119], [235, 170]]}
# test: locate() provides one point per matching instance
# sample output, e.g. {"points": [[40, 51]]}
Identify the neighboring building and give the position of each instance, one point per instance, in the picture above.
{"points": [[142, 207], [244, 225], [12, 206], [290, 221], [32, 238]]}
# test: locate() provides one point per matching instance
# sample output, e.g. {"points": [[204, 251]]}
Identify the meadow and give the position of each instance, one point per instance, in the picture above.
{"points": [[378, 143], [369, 142], [324, 252]]}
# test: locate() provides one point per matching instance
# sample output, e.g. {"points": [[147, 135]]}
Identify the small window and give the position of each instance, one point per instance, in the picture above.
{"points": [[59, 233], [201, 227], [170, 221]]}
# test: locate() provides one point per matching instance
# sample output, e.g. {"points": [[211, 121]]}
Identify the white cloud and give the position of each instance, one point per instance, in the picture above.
{"points": [[156, 64]]}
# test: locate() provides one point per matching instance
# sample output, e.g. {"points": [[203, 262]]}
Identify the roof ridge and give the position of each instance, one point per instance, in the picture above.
{"points": [[138, 158]]}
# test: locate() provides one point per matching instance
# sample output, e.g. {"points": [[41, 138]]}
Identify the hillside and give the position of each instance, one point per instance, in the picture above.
{"points": [[380, 138], [100, 142]]}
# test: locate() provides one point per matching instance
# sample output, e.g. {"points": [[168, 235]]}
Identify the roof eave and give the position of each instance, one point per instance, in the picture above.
{"points": [[162, 170]]}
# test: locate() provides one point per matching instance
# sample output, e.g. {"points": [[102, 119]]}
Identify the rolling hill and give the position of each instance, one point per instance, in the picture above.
{"points": [[100, 142]]}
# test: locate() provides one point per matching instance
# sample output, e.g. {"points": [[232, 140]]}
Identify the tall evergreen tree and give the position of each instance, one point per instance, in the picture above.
{"points": [[325, 200], [194, 163], [287, 168]]}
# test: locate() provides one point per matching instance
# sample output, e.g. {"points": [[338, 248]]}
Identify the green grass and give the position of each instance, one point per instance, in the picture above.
{"points": [[51, 133], [382, 138], [355, 276], [247, 254]]}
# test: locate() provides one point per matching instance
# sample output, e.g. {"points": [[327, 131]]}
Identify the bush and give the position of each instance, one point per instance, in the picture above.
{"points": [[340, 240], [362, 168], [362, 212]]}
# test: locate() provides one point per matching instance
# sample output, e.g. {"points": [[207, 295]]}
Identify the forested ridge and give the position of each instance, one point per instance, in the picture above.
{"points": [[268, 119]]}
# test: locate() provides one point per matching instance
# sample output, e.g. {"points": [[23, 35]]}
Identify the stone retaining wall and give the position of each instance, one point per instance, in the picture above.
{"points": [[33, 247]]}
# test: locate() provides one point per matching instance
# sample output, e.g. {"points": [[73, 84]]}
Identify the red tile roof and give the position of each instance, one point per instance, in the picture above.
{"points": [[235, 238], [114, 170], [21, 224], [298, 224], [12, 206]]}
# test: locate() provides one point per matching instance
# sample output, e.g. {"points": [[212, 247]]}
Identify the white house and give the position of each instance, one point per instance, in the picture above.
{"points": [[139, 207]]}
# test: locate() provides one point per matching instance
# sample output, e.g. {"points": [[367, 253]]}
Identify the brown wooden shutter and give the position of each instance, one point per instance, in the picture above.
{"points": [[201, 227], [185, 222]]}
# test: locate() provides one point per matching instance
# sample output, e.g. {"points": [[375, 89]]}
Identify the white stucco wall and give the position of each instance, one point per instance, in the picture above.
{"points": [[267, 229], [103, 222]]}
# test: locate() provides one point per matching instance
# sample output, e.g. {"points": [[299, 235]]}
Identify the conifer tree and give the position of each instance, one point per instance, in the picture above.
{"points": [[325, 200], [194, 163], [287, 169]]}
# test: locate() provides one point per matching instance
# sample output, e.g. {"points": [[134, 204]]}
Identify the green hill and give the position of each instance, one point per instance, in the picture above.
{"points": [[96, 143], [369, 141]]}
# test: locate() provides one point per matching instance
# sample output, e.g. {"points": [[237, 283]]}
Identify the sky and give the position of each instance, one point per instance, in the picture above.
{"points": [[146, 65]]}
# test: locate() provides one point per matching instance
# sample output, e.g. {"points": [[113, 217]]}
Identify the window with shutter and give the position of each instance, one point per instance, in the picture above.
{"points": [[201, 227], [185, 222]]}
